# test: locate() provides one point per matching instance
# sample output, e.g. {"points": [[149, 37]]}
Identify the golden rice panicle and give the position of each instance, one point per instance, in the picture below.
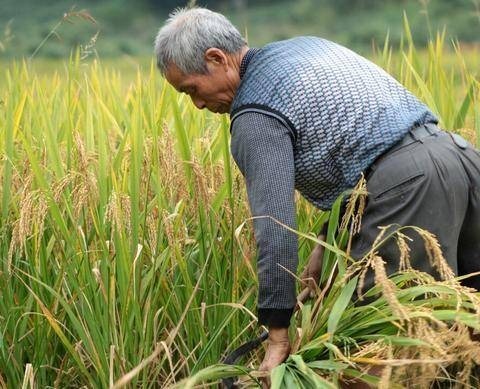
{"points": [[86, 185], [83, 158], [435, 255], [376, 349], [200, 184], [173, 176], [118, 212], [427, 357], [430, 330], [22, 177], [355, 207], [375, 354], [169, 230], [60, 186], [447, 348], [33, 211], [388, 289], [152, 229], [467, 352], [366, 263], [404, 249]]}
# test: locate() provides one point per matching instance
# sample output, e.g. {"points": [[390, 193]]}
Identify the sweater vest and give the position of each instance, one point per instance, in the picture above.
{"points": [[342, 110]]}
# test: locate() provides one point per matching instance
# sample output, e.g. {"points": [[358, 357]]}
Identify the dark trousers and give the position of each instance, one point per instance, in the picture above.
{"points": [[430, 179]]}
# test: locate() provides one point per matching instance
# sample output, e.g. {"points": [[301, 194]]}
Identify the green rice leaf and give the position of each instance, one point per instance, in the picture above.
{"points": [[277, 375], [340, 305]]}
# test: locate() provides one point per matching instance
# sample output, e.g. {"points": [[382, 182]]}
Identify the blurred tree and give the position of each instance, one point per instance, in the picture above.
{"points": [[168, 5], [349, 5]]}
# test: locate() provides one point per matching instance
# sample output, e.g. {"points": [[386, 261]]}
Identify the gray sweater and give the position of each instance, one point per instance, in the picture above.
{"points": [[262, 148]]}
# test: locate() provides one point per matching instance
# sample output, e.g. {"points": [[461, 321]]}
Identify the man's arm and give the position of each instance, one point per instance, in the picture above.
{"points": [[263, 150]]}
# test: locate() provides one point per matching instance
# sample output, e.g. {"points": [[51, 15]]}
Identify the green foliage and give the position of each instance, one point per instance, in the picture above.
{"points": [[109, 247], [127, 27], [120, 261]]}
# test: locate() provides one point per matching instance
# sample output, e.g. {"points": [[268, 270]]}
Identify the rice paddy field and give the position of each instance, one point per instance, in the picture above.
{"points": [[128, 256]]}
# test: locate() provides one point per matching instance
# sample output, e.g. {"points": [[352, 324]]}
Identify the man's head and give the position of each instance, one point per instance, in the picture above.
{"points": [[199, 52]]}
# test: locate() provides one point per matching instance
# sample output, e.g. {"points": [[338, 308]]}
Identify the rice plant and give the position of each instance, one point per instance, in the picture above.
{"points": [[122, 260]]}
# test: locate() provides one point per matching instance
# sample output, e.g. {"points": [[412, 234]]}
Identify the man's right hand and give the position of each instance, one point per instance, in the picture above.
{"points": [[278, 350]]}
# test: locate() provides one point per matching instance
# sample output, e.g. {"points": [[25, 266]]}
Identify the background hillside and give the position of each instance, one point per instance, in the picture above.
{"points": [[129, 26]]}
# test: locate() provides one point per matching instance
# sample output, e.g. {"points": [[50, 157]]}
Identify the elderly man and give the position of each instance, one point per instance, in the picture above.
{"points": [[310, 114]]}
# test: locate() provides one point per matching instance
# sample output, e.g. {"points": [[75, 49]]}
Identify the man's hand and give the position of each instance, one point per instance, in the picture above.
{"points": [[278, 344], [278, 350], [311, 274]]}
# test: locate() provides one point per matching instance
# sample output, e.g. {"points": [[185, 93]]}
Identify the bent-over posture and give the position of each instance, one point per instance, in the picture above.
{"points": [[311, 115]]}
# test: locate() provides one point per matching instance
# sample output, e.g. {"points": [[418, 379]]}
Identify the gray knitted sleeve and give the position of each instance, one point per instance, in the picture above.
{"points": [[262, 148]]}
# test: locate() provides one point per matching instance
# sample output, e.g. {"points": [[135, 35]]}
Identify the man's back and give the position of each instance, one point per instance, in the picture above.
{"points": [[343, 111]]}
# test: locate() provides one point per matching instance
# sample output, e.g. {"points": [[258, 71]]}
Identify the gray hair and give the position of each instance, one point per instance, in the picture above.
{"points": [[188, 33]]}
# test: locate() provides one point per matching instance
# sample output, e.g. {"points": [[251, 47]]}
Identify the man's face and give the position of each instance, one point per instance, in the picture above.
{"points": [[213, 90]]}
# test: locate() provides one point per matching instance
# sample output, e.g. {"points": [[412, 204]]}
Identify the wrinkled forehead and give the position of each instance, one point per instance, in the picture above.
{"points": [[174, 75], [179, 80]]}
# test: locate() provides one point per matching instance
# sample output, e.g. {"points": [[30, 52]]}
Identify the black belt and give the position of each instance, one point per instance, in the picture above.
{"points": [[414, 134]]}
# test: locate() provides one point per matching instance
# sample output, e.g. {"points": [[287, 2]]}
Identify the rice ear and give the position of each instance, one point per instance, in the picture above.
{"points": [[435, 255], [355, 207]]}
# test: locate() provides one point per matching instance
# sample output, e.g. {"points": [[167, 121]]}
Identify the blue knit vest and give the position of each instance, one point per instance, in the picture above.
{"points": [[343, 111]]}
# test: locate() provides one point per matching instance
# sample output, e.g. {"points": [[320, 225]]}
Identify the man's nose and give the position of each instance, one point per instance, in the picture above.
{"points": [[199, 103]]}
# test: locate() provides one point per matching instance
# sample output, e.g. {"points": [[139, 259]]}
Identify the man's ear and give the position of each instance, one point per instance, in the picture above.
{"points": [[215, 56]]}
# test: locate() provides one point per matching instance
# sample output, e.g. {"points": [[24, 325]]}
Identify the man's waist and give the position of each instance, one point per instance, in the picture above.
{"points": [[415, 134]]}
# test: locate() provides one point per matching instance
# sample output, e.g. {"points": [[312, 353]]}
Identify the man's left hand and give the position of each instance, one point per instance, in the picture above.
{"points": [[278, 350]]}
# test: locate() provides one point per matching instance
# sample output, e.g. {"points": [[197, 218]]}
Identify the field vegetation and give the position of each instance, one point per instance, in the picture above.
{"points": [[127, 27], [127, 252]]}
